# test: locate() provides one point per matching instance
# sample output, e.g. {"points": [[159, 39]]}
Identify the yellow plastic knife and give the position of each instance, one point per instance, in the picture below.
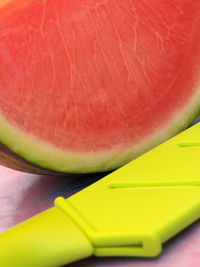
{"points": [[130, 212]]}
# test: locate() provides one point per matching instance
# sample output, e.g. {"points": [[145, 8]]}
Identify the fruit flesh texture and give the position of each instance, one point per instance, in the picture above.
{"points": [[89, 76]]}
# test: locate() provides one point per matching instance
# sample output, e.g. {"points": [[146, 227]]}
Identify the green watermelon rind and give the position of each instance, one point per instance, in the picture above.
{"points": [[49, 157]]}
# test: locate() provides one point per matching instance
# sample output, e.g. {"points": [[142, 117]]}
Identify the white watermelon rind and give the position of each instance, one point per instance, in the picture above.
{"points": [[52, 158]]}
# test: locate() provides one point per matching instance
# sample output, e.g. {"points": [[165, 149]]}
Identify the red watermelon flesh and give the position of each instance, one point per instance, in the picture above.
{"points": [[88, 85]]}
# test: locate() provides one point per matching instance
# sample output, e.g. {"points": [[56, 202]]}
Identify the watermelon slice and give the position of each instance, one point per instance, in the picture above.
{"points": [[88, 85]]}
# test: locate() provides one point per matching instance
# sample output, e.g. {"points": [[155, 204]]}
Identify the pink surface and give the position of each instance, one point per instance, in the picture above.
{"points": [[24, 195]]}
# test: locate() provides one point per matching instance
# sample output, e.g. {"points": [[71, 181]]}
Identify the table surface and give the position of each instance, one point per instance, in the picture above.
{"points": [[24, 195]]}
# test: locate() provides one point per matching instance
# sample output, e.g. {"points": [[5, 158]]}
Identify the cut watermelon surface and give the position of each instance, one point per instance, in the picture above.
{"points": [[89, 85]]}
